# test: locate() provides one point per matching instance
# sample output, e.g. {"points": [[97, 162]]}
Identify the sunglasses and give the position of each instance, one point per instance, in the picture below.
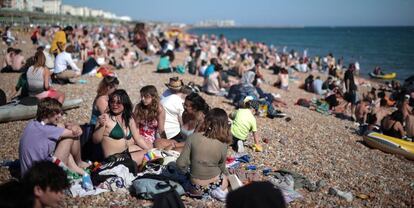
{"points": [[115, 102]]}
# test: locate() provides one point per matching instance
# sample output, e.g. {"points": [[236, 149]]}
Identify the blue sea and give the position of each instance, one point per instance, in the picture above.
{"points": [[391, 48]]}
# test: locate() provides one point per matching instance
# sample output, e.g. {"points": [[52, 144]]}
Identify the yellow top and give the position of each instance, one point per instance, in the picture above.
{"points": [[60, 37], [244, 122]]}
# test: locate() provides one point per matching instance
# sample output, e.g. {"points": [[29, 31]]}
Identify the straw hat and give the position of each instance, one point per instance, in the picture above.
{"points": [[175, 83]]}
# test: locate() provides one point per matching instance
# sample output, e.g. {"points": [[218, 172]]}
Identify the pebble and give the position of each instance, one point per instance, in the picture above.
{"points": [[345, 195]]}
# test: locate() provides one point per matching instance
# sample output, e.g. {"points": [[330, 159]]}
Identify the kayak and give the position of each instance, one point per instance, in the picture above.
{"points": [[14, 112], [383, 76], [390, 144]]}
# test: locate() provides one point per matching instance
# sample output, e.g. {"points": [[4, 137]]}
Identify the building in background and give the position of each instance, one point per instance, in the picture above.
{"points": [[216, 23], [56, 7], [33, 5], [12, 4], [52, 6]]}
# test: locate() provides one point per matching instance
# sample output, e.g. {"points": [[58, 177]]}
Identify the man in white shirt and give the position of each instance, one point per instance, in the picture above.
{"points": [[62, 61], [173, 106]]}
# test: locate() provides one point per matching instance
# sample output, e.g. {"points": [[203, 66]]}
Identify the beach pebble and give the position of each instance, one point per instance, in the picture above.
{"points": [[345, 195], [283, 140]]}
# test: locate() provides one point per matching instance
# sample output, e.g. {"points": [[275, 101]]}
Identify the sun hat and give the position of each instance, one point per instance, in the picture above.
{"points": [[175, 83], [248, 98]]}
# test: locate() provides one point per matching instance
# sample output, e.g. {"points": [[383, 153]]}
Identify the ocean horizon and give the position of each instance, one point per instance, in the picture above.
{"points": [[390, 47]]}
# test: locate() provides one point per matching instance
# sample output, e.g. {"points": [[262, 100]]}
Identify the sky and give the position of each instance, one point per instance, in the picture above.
{"points": [[264, 12]]}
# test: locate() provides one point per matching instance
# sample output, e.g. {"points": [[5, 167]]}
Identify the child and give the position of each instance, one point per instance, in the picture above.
{"points": [[284, 79], [244, 122], [149, 115]]}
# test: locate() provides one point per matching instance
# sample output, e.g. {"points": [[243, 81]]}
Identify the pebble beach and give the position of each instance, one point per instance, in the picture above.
{"points": [[319, 147]]}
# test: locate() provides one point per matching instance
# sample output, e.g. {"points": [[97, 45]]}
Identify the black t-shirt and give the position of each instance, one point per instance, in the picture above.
{"points": [[349, 75]]}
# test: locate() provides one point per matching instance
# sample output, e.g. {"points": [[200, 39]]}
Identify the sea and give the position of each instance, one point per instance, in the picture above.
{"points": [[391, 48]]}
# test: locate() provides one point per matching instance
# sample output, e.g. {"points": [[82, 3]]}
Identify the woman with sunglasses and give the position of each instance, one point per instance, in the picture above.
{"points": [[117, 131]]}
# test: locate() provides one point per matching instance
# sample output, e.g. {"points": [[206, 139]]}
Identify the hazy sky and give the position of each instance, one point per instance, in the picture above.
{"points": [[264, 12]]}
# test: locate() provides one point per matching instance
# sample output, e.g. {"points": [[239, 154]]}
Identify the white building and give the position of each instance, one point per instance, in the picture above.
{"points": [[125, 18], [33, 5], [52, 6], [96, 13], [67, 9], [12, 4]]}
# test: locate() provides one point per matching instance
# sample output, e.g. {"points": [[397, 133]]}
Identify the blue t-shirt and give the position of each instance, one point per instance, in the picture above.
{"points": [[209, 70], [164, 63]]}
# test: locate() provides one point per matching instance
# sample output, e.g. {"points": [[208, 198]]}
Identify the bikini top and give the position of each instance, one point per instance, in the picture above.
{"points": [[118, 133]]}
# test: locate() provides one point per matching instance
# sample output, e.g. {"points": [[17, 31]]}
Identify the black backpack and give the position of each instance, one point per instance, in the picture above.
{"points": [[168, 199]]}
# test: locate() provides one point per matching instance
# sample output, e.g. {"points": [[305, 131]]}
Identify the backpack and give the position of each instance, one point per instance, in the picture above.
{"points": [[148, 186], [168, 199]]}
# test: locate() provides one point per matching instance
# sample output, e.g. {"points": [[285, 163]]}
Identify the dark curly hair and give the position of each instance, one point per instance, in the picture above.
{"points": [[198, 103], [125, 101]]}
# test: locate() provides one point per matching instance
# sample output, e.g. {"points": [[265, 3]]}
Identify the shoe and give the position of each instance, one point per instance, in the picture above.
{"points": [[219, 194], [244, 159], [240, 146], [87, 182], [257, 148]]}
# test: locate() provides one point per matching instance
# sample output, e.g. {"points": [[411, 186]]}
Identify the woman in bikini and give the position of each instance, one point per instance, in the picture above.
{"points": [[117, 131]]}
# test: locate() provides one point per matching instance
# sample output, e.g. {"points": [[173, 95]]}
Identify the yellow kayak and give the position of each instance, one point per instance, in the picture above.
{"points": [[383, 76], [390, 144]]}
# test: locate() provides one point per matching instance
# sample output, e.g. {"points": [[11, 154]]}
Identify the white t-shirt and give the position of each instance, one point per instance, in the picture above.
{"points": [[62, 61], [173, 106]]}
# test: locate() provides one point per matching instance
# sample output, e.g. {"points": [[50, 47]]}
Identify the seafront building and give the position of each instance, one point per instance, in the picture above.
{"points": [[56, 7]]}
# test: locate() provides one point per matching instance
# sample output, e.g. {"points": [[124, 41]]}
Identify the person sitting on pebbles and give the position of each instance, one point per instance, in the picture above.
{"points": [[46, 139], [117, 131], [173, 105], [63, 61], [204, 156], [243, 123]]}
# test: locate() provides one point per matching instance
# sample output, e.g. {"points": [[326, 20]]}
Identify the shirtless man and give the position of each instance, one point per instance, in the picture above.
{"points": [[382, 111], [361, 111]]}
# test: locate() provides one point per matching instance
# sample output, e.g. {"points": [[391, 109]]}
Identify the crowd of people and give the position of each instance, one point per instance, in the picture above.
{"points": [[178, 118]]}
